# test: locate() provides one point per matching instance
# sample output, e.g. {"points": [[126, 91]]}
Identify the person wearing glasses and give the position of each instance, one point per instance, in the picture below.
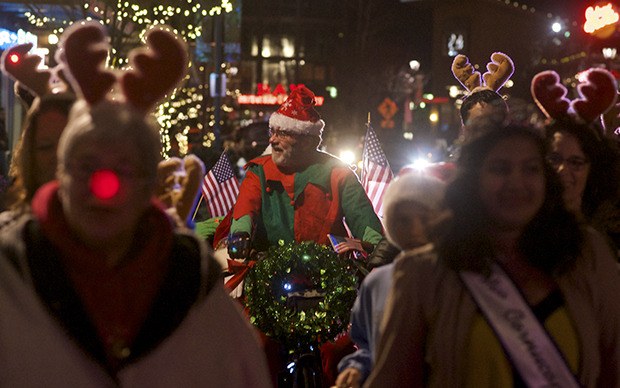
{"points": [[299, 193], [588, 164]]}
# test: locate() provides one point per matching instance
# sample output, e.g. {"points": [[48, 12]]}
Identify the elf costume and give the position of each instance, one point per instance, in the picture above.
{"points": [[305, 205]]}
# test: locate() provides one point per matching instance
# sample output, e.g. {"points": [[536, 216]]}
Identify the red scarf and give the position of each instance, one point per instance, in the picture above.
{"points": [[118, 299]]}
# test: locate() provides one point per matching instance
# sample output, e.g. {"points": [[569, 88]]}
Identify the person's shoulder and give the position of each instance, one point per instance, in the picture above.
{"points": [[329, 162], [326, 158], [259, 161], [597, 247], [378, 273]]}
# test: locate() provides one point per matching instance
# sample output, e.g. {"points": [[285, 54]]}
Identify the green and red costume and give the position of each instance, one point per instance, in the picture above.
{"points": [[303, 206]]}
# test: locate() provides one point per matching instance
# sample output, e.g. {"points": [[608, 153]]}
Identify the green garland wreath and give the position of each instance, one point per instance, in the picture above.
{"points": [[292, 267]]}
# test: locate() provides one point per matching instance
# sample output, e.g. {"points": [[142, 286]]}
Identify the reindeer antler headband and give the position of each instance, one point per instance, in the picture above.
{"points": [[155, 69], [597, 94], [24, 68], [499, 71]]}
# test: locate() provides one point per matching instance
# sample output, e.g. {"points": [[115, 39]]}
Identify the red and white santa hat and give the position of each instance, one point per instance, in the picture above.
{"points": [[297, 114]]}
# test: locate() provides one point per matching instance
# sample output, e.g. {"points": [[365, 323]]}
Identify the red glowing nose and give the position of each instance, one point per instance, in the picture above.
{"points": [[104, 184]]}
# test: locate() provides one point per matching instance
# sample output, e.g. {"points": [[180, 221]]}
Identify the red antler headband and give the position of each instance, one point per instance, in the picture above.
{"points": [[23, 67], [154, 70], [597, 94]]}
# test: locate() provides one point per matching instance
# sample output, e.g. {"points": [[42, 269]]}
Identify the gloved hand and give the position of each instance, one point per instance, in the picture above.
{"points": [[384, 253], [239, 245]]}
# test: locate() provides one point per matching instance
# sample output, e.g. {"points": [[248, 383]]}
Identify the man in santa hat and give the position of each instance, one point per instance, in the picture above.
{"points": [[298, 193]]}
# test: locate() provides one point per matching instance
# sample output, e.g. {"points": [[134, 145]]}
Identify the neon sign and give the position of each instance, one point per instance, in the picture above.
{"points": [[265, 96], [10, 38], [598, 17]]}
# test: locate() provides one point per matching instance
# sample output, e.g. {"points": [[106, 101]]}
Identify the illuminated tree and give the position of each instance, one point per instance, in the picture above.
{"points": [[126, 22]]}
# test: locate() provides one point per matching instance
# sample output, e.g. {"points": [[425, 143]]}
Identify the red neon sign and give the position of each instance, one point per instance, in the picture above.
{"points": [[599, 17], [265, 96]]}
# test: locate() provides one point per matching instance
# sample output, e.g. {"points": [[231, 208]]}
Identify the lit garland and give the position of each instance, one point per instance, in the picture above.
{"points": [[298, 267]]}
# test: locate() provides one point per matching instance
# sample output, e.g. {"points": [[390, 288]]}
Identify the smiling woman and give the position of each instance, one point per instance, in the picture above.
{"points": [[511, 239], [588, 163], [585, 158]]}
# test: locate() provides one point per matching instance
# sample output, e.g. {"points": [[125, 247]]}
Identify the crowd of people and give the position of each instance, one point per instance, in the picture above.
{"points": [[496, 269]]}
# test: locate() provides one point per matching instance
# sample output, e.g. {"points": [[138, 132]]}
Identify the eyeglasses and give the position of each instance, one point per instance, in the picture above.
{"points": [[281, 133], [575, 163]]}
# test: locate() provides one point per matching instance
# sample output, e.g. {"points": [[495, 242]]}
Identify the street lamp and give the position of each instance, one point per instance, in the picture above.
{"points": [[414, 65], [609, 53]]}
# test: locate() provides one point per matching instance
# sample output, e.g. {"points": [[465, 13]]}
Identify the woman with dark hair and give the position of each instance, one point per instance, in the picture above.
{"points": [[515, 292], [34, 158], [588, 164]]}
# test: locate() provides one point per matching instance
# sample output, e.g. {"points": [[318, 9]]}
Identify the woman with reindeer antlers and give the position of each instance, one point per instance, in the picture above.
{"points": [[97, 286], [515, 291], [34, 158], [585, 157]]}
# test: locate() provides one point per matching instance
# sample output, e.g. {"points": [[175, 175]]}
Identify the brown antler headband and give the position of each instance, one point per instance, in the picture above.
{"points": [[155, 70], [499, 71], [158, 68], [84, 48], [597, 94]]}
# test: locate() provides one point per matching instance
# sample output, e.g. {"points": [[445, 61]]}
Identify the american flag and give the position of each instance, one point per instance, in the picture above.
{"points": [[220, 187], [376, 172]]}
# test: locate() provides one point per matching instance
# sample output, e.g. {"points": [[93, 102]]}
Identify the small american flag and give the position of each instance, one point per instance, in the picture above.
{"points": [[220, 187], [376, 172]]}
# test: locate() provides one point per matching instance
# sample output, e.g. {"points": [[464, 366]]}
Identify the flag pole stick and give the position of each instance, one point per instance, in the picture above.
{"points": [[197, 206], [368, 122]]}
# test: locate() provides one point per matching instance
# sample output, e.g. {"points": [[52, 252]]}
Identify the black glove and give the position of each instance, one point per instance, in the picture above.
{"points": [[239, 245], [384, 253]]}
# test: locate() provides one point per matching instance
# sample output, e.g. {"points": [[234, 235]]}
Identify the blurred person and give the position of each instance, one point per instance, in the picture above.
{"points": [[48, 103], [483, 107], [250, 142], [588, 164], [97, 286], [34, 158], [4, 142], [510, 249], [412, 206]]}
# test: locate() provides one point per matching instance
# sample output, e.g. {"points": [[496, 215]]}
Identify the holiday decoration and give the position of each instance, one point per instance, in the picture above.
{"points": [[499, 71], [178, 182], [297, 114], [186, 108], [597, 94], [301, 294]]}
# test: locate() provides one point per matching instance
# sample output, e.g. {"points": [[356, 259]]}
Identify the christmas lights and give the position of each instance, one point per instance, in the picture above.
{"points": [[127, 22]]}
